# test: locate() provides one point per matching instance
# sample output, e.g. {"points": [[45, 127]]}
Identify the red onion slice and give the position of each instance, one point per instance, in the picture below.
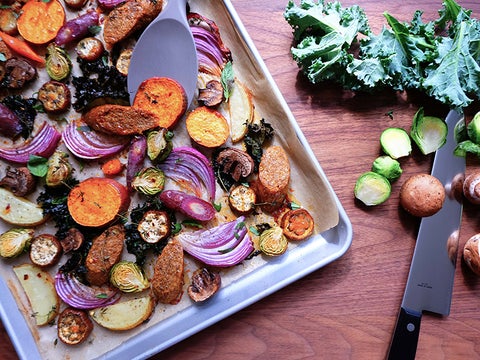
{"points": [[42, 144]]}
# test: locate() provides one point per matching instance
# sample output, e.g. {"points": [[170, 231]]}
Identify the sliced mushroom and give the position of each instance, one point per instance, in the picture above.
{"points": [[72, 240], [235, 162], [212, 95], [19, 181], [204, 284], [18, 73]]}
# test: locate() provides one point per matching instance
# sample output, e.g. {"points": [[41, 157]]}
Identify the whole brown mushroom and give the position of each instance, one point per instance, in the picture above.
{"points": [[422, 195], [471, 188], [471, 253]]}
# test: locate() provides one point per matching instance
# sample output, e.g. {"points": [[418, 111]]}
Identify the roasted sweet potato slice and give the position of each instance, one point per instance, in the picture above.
{"points": [[164, 97], [207, 127]]}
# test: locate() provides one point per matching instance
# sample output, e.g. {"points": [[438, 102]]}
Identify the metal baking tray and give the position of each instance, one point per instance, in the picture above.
{"points": [[331, 241]]}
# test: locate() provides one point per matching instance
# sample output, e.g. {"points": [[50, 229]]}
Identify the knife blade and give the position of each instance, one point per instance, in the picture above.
{"points": [[430, 280]]}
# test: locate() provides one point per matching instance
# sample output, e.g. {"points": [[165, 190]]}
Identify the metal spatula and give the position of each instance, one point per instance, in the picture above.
{"points": [[167, 49]]}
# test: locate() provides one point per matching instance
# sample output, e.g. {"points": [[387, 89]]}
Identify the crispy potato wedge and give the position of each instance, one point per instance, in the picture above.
{"points": [[240, 110], [18, 210], [40, 290], [124, 315]]}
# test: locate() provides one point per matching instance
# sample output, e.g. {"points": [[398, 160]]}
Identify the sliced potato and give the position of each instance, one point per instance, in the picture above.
{"points": [[240, 110], [124, 315], [40, 290], [19, 211]]}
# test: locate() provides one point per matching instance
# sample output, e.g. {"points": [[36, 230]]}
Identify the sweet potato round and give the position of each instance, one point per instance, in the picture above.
{"points": [[40, 20], [207, 127], [422, 195], [164, 97], [96, 202]]}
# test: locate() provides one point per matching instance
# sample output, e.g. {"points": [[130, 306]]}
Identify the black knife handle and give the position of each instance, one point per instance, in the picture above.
{"points": [[405, 337]]}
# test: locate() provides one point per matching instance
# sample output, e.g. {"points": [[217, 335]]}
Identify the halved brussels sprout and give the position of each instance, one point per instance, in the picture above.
{"points": [[58, 63], [149, 181], [372, 188], [273, 242], [428, 132], [159, 144], [396, 142], [59, 169], [15, 241], [128, 277]]}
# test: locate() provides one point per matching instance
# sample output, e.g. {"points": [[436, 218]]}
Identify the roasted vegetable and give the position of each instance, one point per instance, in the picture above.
{"points": [[388, 167], [155, 226], [113, 167], [159, 144], [257, 135], [24, 109], [74, 326], [240, 110], [59, 169], [19, 181], [164, 97], [428, 132], [21, 47], [40, 290], [55, 97], [297, 224], [123, 61], [45, 250], [90, 49], [190, 205], [372, 188], [273, 241], [207, 127], [128, 277], [15, 242], [72, 240], [125, 315], [242, 199], [58, 63], [19, 211], [10, 124], [149, 181], [40, 21], [395, 142], [212, 94], [231, 165], [136, 158], [8, 20], [76, 28], [205, 283]]}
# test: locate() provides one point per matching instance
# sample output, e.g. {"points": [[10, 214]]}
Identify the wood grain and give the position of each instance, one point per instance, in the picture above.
{"points": [[348, 309]]}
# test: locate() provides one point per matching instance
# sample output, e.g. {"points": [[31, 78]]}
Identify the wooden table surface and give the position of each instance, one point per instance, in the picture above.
{"points": [[348, 309]]}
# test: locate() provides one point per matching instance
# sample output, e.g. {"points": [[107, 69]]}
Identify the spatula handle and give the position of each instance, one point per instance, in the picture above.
{"points": [[405, 337]]}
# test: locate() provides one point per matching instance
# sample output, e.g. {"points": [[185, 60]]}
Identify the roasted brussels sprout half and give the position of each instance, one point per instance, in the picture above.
{"points": [[59, 169], [388, 167], [58, 63], [15, 241], [159, 144], [273, 242], [149, 181], [128, 277]]}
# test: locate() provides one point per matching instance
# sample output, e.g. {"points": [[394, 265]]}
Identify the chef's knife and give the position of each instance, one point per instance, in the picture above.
{"points": [[430, 281]]}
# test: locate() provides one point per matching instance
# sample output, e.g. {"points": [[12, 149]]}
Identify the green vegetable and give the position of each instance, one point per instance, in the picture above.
{"points": [[37, 165], [159, 144], [428, 132], [149, 181], [128, 277], [444, 64], [58, 63], [59, 169], [15, 241], [395, 142], [273, 242], [372, 188], [468, 137], [226, 79], [388, 167]]}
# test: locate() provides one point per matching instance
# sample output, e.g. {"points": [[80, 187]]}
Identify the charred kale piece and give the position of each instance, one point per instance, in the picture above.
{"points": [[25, 111]]}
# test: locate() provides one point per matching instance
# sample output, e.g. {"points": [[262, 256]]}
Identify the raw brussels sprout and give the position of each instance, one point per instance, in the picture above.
{"points": [[159, 144], [473, 129], [59, 169], [58, 63], [396, 142], [15, 241], [149, 181], [128, 277], [372, 188], [388, 167], [273, 242], [428, 132]]}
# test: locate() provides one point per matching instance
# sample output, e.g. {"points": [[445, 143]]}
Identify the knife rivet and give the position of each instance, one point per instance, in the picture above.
{"points": [[411, 327]]}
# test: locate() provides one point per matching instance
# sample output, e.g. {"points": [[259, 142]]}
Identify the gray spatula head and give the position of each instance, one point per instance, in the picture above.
{"points": [[167, 49]]}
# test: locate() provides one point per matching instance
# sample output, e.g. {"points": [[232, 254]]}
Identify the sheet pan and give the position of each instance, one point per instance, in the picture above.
{"points": [[245, 284]]}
